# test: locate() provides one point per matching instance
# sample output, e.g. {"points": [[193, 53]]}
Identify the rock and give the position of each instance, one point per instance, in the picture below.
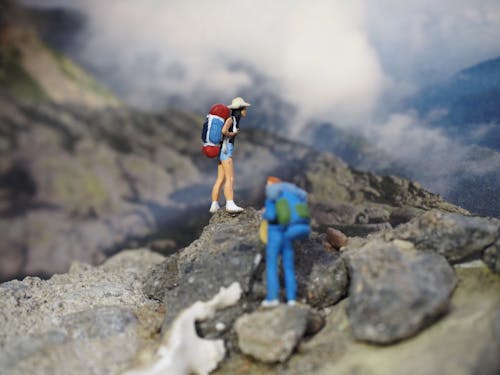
{"points": [[27, 346], [165, 246], [271, 335], [325, 213], [228, 250], [336, 238], [327, 283], [463, 342], [362, 230], [401, 215], [373, 215], [100, 322], [315, 323], [330, 180], [395, 290], [321, 276], [454, 236], [491, 257], [161, 278], [90, 320]]}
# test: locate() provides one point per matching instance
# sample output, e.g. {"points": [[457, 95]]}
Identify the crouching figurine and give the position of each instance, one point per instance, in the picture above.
{"points": [[287, 217]]}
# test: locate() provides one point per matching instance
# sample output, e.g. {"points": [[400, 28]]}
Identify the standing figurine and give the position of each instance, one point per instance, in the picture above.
{"points": [[287, 217], [225, 168]]}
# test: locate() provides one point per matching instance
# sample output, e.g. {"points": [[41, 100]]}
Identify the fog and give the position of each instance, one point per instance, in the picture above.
{"points": [[331, 58]]}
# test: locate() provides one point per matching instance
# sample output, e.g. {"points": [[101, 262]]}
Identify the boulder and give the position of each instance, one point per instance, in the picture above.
{"points": [[271, 335], [464, 342], [454, 236], [89, 320], [395, 290]]}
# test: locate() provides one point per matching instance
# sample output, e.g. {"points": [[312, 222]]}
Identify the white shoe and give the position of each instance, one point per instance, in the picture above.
{"points": [[271, 303], [231, 207], [292, 302], [214, 207]]}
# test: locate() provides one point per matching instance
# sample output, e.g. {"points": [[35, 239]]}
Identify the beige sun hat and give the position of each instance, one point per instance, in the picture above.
{"points": [[238, 103]]}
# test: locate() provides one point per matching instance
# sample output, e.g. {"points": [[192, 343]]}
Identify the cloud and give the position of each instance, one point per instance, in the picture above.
{"points": [[329, 57], [316, 53], [331, 60], [428, 155], [421, 41]]}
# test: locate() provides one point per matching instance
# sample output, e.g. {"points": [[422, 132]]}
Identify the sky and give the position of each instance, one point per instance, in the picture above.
{"points": [[346, 62]]}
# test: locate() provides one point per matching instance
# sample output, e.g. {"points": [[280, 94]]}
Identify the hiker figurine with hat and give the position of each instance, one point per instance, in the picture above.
{"points": [[286, 217], [225, 168]]}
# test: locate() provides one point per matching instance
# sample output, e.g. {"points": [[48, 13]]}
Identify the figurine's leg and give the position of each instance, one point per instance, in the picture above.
{"points": [[274, 242], [218, 183], [228, 167], [289, 269]]}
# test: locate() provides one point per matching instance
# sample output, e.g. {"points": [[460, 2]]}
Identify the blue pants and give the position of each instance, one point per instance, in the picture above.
{"points": [[228, 153], [279, 244]]}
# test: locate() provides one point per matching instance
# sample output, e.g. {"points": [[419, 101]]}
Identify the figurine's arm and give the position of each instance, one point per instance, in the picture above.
{"points": [[270, 211], [227, 126]]}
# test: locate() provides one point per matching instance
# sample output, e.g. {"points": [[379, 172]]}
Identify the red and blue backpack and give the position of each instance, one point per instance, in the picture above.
{"points": [[211, 134]]}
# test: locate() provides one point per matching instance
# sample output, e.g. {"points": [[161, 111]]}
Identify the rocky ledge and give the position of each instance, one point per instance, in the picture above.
{"points": [[422, 297]]}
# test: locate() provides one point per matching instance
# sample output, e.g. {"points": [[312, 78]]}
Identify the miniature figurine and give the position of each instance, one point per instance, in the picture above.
{"points": [[287, 217], [225, 168]]}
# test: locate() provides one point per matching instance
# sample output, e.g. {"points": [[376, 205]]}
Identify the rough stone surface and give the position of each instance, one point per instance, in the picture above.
{"points": [[271, 335], [229, 250], [395, 290], [491, 257], [464, 342], [454, 236], [327, 283], [91, 320], [322, 278]]}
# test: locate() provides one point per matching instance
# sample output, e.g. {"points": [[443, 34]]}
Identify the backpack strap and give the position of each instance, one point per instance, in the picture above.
{"points": [[234, 126]]}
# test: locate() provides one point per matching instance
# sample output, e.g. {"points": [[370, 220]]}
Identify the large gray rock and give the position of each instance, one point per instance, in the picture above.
{"points": [[454, 236], [99, 322], [322, 276], [464, 342], [92, 320], [229, 250], [395, 290], [271, 335]]}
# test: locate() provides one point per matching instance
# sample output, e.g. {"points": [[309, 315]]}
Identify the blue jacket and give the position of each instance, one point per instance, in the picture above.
{"points": [[282, 190]]}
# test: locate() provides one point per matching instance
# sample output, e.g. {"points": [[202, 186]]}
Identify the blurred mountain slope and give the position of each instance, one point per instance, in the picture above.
{"points": [[466, 105], [83, 177], [31, 70]]}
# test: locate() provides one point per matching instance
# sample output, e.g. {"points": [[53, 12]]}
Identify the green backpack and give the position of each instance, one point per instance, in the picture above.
{"points": [[291, 209]]}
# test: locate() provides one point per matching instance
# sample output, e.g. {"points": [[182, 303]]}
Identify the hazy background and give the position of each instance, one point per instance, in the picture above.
{"points": [[348, 64]]}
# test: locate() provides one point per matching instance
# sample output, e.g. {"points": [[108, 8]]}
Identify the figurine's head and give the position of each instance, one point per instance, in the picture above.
{"points": [[273, 187], [273, 180], [238, 103]]}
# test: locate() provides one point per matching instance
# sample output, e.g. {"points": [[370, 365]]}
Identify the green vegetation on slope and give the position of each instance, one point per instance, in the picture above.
{"points": [[80, 76], [15, 79]]}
